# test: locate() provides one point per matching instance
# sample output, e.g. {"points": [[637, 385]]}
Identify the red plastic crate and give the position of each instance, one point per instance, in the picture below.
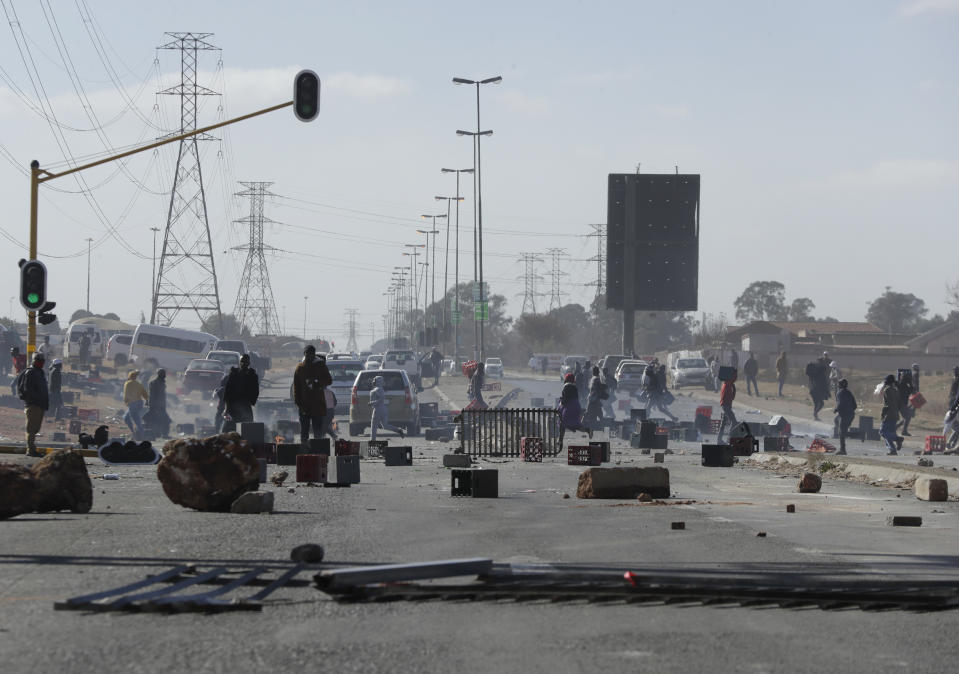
{"points": [[344, 447], [705, 411], [584, 455], [531, 449], [935, 443], [91, 414], [311, 467], [469, 367], [917, 400]]}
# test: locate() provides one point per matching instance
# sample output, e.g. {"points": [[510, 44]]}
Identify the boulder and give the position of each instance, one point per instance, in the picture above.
{"points": [[18, 490], [623, 483], [810, 483], [931, 489], [208, 474], [63, 482], [252, 503]]}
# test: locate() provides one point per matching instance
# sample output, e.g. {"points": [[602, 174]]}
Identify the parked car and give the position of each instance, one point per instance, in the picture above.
{"points": [[373, 362], [629, 375], [612, 362], [402, 401], [344, 374], [690, 372], [569, 364], [203, 375], [341, 355], [228, 358], [494, 367], [118, 349], [404, 359]]}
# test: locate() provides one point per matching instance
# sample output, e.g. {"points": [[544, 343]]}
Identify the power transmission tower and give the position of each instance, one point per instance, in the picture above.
{"points": [[187, 276], [555, 296], [529, 281], [599, 231], [351, 340], [255, 306]]}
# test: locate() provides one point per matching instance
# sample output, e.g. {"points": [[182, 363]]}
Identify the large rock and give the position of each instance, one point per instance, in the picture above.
{"points": [[63, 482], [18, 490], [810, 483], [208, 474], [253, 503], [932, 489], [623, 483]]}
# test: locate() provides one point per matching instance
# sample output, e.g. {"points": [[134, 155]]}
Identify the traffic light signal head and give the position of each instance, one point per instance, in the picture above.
{"points": [[33, 285], [306, 95]]}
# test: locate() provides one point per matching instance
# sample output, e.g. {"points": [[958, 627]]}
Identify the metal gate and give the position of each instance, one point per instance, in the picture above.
{"points": [[497, 432]]}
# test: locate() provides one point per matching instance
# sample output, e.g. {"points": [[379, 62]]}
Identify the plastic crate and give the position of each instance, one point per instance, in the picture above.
{"points": [[344, 447], [584, 455], [374, 448], [935, 443], [311, 468], [705, 411], [531, 449], [714, 425], [917, 400]]}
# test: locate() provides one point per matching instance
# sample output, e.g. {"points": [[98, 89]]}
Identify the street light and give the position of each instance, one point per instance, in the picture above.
{"points": [[305, 298], [446, 267], [478, 187], [456, 275], [434, 232], [413, 288]]}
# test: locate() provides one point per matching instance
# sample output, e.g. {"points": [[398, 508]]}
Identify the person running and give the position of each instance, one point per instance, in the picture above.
{"points": [[890, 415], [782, 371], [726, 397], [32, 388], [845, 412], [570, 409], [751, 371], [381, 411], [134, 397], [906, 410]]}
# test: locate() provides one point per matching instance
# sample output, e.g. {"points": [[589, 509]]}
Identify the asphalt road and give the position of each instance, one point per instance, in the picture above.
{"points": [[406, 515]]}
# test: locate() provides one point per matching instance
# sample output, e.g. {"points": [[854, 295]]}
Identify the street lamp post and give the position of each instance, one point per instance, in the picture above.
{"points": [[434, 232], [446, 267], [413, 289], [456, 273], [477, 135], [305, 298]]}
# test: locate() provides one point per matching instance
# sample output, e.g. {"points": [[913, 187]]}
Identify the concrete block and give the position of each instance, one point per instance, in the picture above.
{"points": [[904, 521], [253, 502], [932, 489], [456, 461], [623, 483], [810, 483]]}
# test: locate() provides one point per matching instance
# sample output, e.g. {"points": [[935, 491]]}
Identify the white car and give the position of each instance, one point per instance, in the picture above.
{"points": [[629, 375], [118, 349], [228, 358], [494, 367], [373, 362], [403, 359]]}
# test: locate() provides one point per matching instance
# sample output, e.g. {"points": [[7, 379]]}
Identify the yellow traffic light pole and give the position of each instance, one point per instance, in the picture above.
{"points": [[38, 175]]}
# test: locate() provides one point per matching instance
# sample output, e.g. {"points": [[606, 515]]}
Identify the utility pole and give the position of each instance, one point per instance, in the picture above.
{"points": [[351, 326], [255, 306], [599, 231], [305, 298], [457, 317], [88, 274], [187, 277], [529, 281], [555, 273]]}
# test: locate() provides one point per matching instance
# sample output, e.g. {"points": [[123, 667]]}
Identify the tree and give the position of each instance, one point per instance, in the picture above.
{"points": [[762, 301], [112, 316], [897, 312], [800, 310], [231, 327], [542, 332], [80, 313]]}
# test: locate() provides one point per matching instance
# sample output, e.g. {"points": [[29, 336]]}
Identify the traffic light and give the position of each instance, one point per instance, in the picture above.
{"points": [[33, 284], [45, 317], [306, 95]]}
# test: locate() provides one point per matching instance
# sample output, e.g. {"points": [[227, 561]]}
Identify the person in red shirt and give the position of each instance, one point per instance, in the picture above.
{"points": [[19, 360], [727, 395]]}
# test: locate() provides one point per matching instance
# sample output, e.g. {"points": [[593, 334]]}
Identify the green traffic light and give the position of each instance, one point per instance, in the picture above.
{"points": [[33, 298]]}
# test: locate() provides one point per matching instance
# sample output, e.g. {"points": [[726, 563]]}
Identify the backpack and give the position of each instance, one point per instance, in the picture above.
{"points": [[603, 391], [20, 384], [811, 368]]}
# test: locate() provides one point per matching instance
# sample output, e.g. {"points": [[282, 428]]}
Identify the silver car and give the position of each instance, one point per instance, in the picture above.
{"points": [[344, 374]]}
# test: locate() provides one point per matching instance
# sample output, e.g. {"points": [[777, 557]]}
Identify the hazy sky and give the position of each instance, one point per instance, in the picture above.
{"points": [[825, 134]]}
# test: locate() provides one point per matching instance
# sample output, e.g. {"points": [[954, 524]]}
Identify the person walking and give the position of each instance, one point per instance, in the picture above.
{"points": [[381, 411], [84, 349], [330, 413], [714, 372], [32, 389], [474, 391], [134, 397], [598, 392], [954, 387], [241, 388], [890, 415], [906, 410], [436, 358], [915, 376], [727, 395], [845, 412], [310, 378], [55, 387], [782, 371], [570, 409], [156, 417], [751, 370], [818, 374], [610, 381]]}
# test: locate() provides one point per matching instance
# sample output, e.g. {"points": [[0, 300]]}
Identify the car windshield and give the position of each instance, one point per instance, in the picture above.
{"points": [[632, 368], [345, 370], [393, 381], [689, 363], [400, 355], [494, 361], [572, 360], [211, 365], [225, 357]]}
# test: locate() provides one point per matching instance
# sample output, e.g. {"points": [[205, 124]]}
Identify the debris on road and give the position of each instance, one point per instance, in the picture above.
{"points": [[623, 483], [278, 478], [904, 521], [253, 503], [810, 483], [931, 489], [308, 553], [208, 474]]}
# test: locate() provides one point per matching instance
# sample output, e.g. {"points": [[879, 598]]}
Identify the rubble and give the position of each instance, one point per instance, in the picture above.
{"points": [[810, 483], [63, 482], [623, 483], [931, 489], [308, 553], [253, 503], [17, 490], [208, 474]]}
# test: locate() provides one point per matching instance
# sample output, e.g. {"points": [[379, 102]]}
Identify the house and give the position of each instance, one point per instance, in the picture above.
{"points": [[940, 341]]}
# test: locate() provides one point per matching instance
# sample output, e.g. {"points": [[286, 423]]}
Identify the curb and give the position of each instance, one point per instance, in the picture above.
{"points": [[15, 449]]}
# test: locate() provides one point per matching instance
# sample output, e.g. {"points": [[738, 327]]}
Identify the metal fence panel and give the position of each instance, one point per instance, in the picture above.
{"points": [[497, 432]]}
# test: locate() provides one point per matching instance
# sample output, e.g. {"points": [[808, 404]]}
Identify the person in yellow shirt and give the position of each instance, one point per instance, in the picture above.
{"points": [[135, 397]]}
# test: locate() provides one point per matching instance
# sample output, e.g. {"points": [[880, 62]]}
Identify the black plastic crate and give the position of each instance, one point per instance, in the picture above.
{"points": [[584, 455], [604, 446], [462, 482], [374, 448], [718, 456], [485, 484], [398, 456]]}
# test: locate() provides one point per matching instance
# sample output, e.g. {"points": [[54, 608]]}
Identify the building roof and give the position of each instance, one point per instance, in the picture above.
{"points": [[802, 328], [922, 340]]}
